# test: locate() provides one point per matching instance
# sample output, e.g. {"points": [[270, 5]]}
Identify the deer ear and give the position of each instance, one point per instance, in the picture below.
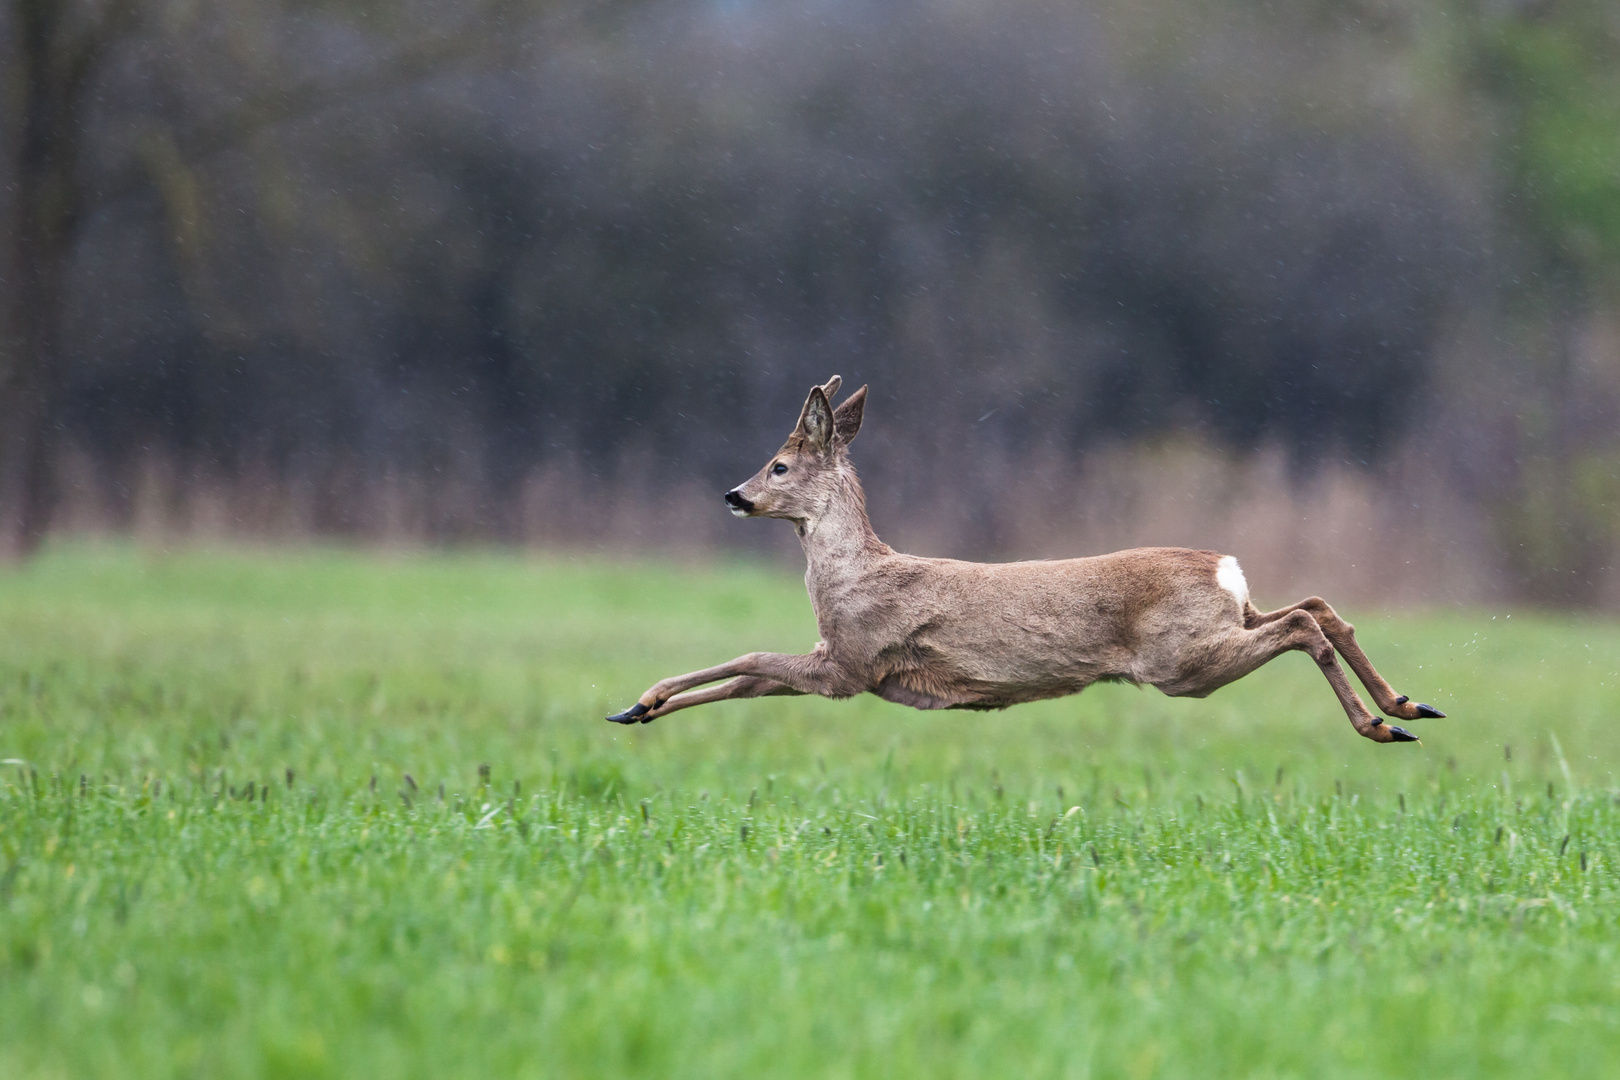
{"points": [[847, 417], [816, 421], [830, 387]]}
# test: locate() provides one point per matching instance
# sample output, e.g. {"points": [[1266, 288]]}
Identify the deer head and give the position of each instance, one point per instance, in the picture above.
{"points": [[800, 479]]}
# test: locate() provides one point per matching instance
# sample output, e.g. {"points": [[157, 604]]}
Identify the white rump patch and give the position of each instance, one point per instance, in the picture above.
{"points": [[1229, 576]]}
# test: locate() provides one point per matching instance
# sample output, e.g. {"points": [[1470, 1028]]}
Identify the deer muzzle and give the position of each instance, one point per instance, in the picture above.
{"points": [[739, 505]]}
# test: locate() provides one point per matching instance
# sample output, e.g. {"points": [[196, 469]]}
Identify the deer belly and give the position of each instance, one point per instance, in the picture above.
{"points": [[945, 687], [995, 661], [898, 689]]}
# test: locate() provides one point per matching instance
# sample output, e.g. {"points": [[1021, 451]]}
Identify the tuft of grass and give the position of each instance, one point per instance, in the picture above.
{"points": [[321, 814]]}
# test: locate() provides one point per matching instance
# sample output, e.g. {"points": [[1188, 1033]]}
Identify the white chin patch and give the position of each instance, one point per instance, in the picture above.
{"points": [[1229, 576], [737, 511]]}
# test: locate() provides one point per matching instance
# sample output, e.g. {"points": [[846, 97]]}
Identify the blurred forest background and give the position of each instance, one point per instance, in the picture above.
{"points": [[1332, 285]]}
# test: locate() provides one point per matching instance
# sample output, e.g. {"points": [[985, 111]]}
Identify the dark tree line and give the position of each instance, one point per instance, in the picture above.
{"points": [[335, 244]]}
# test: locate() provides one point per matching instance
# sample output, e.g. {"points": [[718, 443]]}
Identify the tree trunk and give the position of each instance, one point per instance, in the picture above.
{"points": [[25, 384], [44, 208]]}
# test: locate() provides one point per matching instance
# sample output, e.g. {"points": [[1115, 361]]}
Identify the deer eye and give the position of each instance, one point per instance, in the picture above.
{"points": [[778, 469]]}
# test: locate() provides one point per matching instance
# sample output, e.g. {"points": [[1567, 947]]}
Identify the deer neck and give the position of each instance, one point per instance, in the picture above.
{"points": [[839, 540]]}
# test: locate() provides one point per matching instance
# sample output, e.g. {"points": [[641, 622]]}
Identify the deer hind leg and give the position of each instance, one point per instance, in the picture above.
{"points": [[1248, 649], [1343, 637]]}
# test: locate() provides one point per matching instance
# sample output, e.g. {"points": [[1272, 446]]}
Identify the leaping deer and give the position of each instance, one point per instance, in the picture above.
{"points": [[946, 634]]}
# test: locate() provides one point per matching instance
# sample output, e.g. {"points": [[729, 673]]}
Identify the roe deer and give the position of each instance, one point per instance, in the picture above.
{"points": [[945, 634]]}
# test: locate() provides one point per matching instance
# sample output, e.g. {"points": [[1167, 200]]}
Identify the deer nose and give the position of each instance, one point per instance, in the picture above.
{"points": [[735, 500]]}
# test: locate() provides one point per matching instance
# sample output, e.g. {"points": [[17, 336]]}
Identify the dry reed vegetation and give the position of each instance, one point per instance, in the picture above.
{"points": [[1397, 535]]}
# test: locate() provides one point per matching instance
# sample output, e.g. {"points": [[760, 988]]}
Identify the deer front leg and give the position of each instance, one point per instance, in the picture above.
{"points": [[744, 686], [813, 673]]}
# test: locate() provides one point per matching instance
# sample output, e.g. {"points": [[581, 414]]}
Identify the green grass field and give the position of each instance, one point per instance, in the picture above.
{"points": [[244, 833]]}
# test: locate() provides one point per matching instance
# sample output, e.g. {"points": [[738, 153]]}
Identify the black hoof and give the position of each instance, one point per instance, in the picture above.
{"points": [[1429, 711], [1401, 734], [1402, 700], [631, 715]]}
